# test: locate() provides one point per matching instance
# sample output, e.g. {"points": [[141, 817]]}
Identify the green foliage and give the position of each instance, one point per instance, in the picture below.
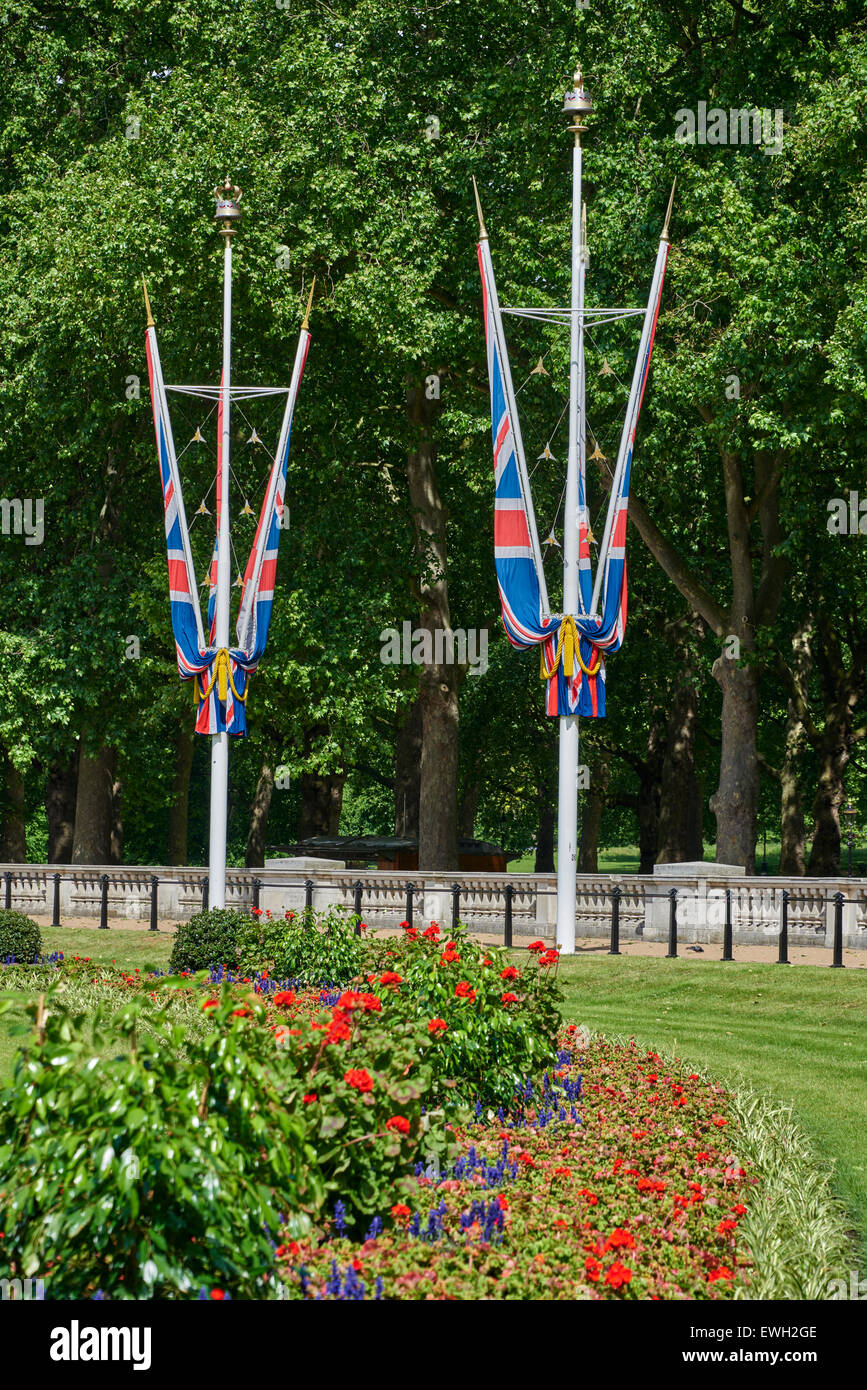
{"points": [[143, 1153], [308, 948], [215, 937], [154, 1171], [20, 936], [490, 1045]]}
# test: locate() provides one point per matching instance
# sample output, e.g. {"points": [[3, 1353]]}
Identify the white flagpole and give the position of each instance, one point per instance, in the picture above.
{"points": [[227, 211], [577, 103]]}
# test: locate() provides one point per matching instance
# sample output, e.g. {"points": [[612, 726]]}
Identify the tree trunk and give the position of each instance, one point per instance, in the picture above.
{"points": [[439, 680], [591, 819], [179, 812], [116, 833], [469, 807], [680, 802], [321, 804], [825, 849], [647, 802], [736, 800], [545, 835], [792, 829], [60, 797], [13, 827], [254, 857], [94, 807], [407, 774]]}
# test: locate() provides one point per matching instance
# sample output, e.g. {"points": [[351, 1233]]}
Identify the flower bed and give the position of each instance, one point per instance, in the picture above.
{"points": [[613, 1179], [426, 1132]]}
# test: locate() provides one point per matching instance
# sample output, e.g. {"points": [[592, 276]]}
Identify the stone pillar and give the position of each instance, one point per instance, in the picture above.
{"points": [[695, 921], [279, 899]]}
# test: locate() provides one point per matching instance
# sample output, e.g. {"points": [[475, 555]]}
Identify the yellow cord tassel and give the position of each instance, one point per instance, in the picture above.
{"points": [[569, 645], [222, 678]]}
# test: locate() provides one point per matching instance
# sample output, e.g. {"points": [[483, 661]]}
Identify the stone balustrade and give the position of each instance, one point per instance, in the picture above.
{"points": [[644, 902]]}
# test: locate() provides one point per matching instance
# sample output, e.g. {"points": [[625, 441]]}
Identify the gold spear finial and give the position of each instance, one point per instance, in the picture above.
{"points": [[151, 323], [664, 236], [483, 232], [306, 324]]}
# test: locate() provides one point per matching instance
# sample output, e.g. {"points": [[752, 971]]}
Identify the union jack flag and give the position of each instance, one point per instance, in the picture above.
{"points": [[221, 678], [572, 647]]}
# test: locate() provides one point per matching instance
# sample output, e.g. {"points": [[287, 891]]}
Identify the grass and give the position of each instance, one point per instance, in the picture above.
{"points": [[792, 1034]]}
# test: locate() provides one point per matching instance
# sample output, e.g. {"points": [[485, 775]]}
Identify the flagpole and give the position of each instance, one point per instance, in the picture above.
{"points": [[227, 211], [577, 103]]}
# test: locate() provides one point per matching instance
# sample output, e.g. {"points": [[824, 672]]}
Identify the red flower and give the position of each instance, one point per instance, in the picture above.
{"points": [[290, 916], [370, 1003], [257, 912], [702, 1158], [511, 972], [509, 998], [285, 1251], [620, 1238], [721, 1273], [618, 1275], [503, 1202], [211, 1004], [549, 958], [217, 1295], [359, 1079], [400, 1213], [349, 999], [338, 1029], [243, 1012], [725, 1226], [448, 956], [404, 923], [536, 946], [431, 932], [593, 1268], [437, 1025], [308, 1100], [464, 990], [284, 997], [590, 1197], [398, 1123], [562, 1172], [718, 1121], [390, 978], [411, 933], [526, 1159], [740, 1209], [639, 1133]]}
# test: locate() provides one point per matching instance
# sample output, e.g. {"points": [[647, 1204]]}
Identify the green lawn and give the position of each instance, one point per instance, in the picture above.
{"points": [[796, 1033]]}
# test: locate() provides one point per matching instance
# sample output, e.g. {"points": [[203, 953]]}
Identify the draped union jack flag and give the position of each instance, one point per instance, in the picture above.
{"points": [[572, 648], [221, 677]]}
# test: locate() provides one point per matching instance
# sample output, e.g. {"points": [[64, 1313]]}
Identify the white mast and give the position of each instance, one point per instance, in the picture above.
{"points": [[577, 104], [228, 211]]}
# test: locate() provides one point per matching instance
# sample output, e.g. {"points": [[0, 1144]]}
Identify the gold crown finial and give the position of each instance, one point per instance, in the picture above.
{"points": [[151, 323], [664, 236], [483, 233], [306, 324]]}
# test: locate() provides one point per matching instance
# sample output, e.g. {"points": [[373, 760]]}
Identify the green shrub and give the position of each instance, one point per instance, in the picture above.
{"points": [[145, 1158], [313, 950], [490, 1046], [216, 937], [20, 937]]}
